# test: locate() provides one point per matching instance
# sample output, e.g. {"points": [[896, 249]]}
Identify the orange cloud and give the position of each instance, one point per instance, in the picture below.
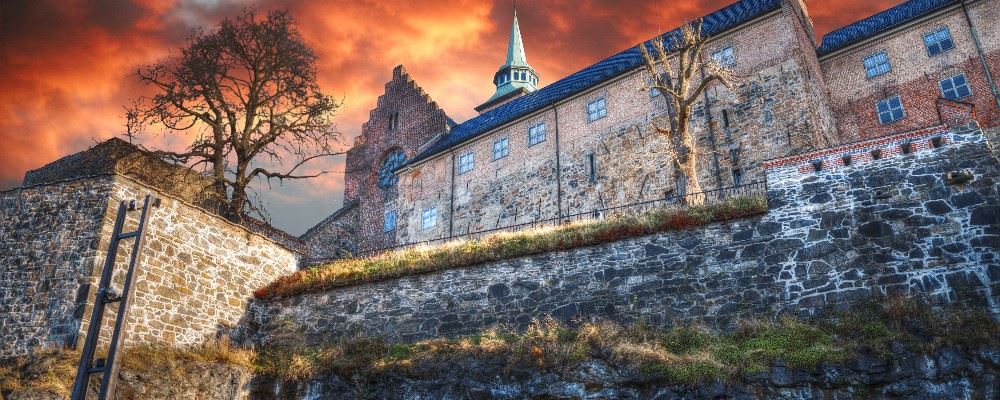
{"points": [[65, 66]]}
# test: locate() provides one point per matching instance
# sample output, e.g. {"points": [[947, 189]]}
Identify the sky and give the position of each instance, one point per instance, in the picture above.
{"points": [[67, 66]]}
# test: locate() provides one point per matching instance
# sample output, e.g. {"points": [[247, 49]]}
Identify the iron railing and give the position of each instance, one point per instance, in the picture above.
{"points": [[677, 201]]}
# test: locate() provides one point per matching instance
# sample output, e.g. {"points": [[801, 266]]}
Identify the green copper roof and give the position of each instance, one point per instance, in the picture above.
{"points": [[523, 76], [515, 48]]}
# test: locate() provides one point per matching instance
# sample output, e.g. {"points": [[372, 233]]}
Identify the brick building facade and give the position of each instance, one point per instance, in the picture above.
{"points": [[585, 142]]}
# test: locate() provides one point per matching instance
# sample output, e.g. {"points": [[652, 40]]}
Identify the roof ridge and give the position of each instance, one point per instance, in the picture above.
{"points": [[723, 19]]}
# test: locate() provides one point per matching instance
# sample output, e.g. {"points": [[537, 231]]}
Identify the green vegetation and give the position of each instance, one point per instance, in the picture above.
{"points": [[682, 355], [507, 245]]}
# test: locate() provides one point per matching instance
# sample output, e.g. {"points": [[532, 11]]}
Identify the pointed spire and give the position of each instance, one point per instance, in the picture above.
{"points": [[515, 47], [515, 77]]}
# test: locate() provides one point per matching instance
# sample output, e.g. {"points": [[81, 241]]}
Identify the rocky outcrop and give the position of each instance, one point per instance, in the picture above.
{"points": [[949, 373]]}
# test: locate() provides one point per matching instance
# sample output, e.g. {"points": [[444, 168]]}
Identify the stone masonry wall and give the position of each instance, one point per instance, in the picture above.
{"points": [[48, 240], [889, 225], [197, 272], [777, 108], [334, 237]]}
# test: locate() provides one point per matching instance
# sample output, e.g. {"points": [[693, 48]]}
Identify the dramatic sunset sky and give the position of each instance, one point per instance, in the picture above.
{"points": [[65, 65]]}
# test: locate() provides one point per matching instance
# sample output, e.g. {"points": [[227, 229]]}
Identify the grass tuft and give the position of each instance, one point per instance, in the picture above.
{"points": [[504, 246]]}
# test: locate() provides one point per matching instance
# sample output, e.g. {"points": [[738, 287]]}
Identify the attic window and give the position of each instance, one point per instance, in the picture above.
{"points": [[906, 148], [936, 142], [876, 154], [394, 121], [846, 159]]}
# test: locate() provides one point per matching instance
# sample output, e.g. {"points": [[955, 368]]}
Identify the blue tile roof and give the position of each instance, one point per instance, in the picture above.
{"points": [[878, 23], [714, 23]]}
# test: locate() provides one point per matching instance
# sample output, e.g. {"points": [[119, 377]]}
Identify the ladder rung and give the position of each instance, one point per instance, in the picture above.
{"points": [[95, 370], [128, 235], [112, 300]]}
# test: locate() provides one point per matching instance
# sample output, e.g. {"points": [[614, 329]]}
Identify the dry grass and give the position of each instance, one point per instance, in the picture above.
{"points": [[504, 246], [52, 370], [683, 355]]}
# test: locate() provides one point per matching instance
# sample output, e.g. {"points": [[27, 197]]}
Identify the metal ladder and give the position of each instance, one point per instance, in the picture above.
{"points": [[107, 295]]}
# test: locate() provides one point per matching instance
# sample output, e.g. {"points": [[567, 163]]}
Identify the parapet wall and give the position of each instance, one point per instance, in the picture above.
{"points": [[197, 273], [894, 224]]}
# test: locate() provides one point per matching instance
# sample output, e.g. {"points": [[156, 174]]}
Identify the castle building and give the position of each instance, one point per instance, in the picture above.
{"points": [[584, 143]]}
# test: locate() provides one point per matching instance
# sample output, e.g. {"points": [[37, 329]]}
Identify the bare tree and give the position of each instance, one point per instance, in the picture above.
{"points": [[676, 69], [246, 94]]}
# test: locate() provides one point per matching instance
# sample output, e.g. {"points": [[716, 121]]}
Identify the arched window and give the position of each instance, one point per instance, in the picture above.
{"points": [[386, 177]]}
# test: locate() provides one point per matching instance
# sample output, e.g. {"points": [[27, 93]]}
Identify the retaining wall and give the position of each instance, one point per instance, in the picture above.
{"points": [[841, 234]]}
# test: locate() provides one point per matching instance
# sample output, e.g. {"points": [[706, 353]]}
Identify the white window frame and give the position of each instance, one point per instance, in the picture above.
{"points": [[597, 109], [954, 88], [725, 57], [428, 218], [501, 148], [466, 162], [389, 221], [873, 67], [536, 134], [889, 110]]}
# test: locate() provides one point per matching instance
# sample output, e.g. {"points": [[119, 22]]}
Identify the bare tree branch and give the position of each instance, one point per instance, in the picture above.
{"points": [[247, 97]]}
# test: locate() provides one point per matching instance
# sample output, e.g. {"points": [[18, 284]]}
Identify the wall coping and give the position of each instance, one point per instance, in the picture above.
{"points": [[855, 147], [159, 192]]}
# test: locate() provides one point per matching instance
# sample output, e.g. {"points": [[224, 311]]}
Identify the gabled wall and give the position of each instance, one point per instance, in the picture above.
{"points": [[420, 119]]}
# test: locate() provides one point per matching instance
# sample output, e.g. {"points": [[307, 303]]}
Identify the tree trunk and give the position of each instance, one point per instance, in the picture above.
{"points": [[689, 167]]}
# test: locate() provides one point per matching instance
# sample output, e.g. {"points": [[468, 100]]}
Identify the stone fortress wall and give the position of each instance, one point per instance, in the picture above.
{"points": [[792, 98], [197, 273], [889, 220]]}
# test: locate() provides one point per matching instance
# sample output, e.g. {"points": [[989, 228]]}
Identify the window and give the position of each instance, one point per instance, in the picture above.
{"points": [[890, 110], [592, 167], [466, 162], [876, 154], [536, 134], [428, 218], [877, 64], [955, 87], [938, 41], [724, 57], [653, 92], [846, 159], [596, 110], [387, 171], [501, 148], [389, 223], [737, 177], [394, 121]]}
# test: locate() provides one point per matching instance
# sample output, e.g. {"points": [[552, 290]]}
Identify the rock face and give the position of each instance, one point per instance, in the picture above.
{"points": [[877, 226], [948, 374]]}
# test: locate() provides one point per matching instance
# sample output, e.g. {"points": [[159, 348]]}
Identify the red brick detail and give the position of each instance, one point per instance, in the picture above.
{"points": [[869, 144], [955, 113]]}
